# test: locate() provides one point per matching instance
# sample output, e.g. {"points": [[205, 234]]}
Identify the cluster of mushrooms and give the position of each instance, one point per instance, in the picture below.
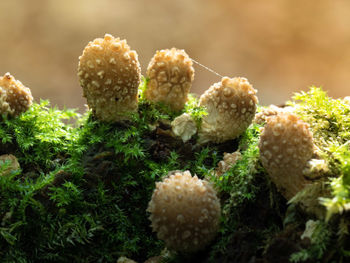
{"points": [[184, 210]]}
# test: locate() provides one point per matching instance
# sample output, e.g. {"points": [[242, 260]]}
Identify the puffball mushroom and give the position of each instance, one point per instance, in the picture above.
{"points": [[15, 98], [170, 74], [110, 74], [231, 106], [286, 145], [185, 212]]}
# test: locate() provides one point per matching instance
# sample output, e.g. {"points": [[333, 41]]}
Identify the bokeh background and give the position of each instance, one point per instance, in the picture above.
{"points": [[281, 46]]}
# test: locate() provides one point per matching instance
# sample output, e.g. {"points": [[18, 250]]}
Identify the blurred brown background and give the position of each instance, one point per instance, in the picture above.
{"points": [[281, 46]]}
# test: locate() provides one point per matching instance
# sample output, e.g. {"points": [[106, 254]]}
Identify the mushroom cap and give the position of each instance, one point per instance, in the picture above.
{"points": [[286, 145], [170, 74], [15, 98], [110, 74], [185, 212], [270, 111], [231, 106]]}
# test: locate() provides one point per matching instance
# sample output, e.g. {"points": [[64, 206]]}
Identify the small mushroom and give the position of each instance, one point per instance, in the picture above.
{"points": [[286, 146], [110, 74], [185, 212], [231, 106], [15, 98], [170, 74]]}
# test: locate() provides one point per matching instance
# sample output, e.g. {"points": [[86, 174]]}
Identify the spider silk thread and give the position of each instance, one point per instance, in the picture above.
{"points": [[205, 67]]}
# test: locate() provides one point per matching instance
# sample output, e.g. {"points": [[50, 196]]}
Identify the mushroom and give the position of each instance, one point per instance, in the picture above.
{"points": [[231, 106], [185, 212], [286, 146], [110, 73], [15, 98], [170, 74]]}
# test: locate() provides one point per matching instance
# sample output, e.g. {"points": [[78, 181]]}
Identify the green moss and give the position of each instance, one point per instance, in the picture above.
{"points": [[339, 202], [320, 240], [88, 217], [40, 134], [329, 120], [244, 190], [83, 189], [88, 198], [238, 180]]}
